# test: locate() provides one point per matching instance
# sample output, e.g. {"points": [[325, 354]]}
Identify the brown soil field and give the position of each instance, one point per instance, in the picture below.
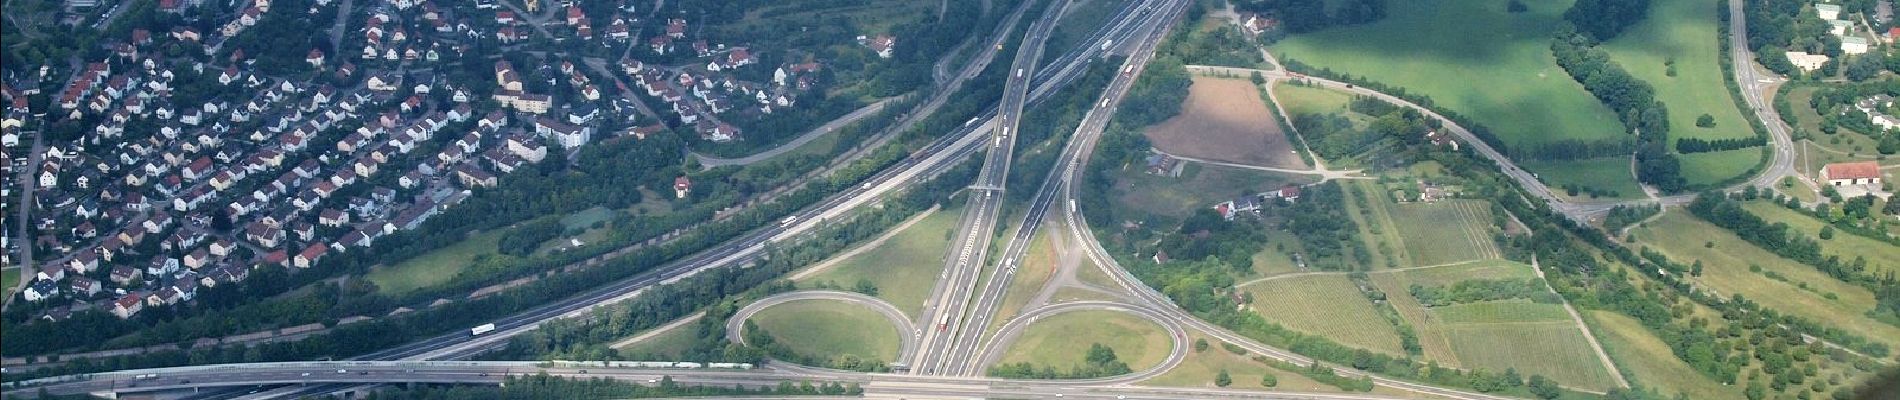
{"points": [[1225, 120]]}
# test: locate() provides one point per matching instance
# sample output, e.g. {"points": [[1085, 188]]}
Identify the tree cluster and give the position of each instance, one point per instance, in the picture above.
{"points": [[1634, 102], [1698, 145], [1604, 19], [1477, 290], [1099, 362]]}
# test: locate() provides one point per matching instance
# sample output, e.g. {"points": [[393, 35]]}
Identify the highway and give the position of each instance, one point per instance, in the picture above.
{"points": [[967, 349]]}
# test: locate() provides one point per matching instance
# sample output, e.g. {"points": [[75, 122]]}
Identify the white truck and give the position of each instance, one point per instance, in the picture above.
{"points": [[479, 330]]}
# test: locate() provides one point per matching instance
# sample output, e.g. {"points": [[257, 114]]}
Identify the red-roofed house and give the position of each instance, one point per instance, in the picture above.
{"points": [[309, 255], [1854, 173]]}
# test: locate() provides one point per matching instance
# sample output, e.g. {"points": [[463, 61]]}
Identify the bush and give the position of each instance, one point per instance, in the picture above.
{"points": [[1705, 121]]}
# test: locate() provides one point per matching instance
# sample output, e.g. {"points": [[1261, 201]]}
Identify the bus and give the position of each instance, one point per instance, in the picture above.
{"points": [[479, 330]]}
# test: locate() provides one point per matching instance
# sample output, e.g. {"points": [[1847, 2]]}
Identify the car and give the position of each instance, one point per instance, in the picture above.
{"points": [[484, 374], [654, 380], [362, 372], [306, 374], [583, 371], [341, 371]]}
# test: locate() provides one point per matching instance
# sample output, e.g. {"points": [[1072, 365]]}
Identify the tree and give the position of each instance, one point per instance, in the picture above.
{"points": [[1222, 379], [1544, 388], [1200, 345], [866, 287], [1269, 380], [1864, 67], [1827, 232], [1705, 121]]}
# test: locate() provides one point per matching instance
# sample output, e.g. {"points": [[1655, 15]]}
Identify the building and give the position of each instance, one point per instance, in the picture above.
{"points": [[1805, 61], [1828, 11], [1853, 45], [1854, 173]]}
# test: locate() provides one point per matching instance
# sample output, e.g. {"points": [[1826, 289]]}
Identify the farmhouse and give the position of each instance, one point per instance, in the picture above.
{"points": [[1854, 173]]}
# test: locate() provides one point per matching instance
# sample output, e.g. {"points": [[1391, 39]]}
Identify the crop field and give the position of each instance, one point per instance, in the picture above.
{"points": [[1446, 232], [1500, 311], [1472, 57], [1646, 358], [1142, 196], [1555, 349], [1727, 259], [1716, 166], [436, 267], [1225, 120], [1298, 99], [1881, 256], [1064, 339], [904, 268], [830, 328], [1683, 32], [1609, 174], [1326, 305]]}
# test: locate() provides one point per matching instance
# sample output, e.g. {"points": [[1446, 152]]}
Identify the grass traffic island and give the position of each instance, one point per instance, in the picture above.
{"points": [[904, 268], [829, 329], [1063, 341]]}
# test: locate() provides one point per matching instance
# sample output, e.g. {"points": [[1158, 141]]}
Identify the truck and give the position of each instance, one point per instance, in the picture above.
{"points": [[145, 377], [483, 328], [1019, 72], [943, 323]]}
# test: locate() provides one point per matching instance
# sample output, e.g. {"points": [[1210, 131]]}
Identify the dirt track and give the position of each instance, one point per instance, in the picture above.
{"points": [[1225, 120]]}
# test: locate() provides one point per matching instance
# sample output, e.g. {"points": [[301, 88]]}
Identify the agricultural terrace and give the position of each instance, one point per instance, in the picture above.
{"points": [[1881, 256], [830, 328], [1225, 120], [1472, 57], [1732, 266], [1326, 305], [1064, 339], [1494, 335], [903, 268]]}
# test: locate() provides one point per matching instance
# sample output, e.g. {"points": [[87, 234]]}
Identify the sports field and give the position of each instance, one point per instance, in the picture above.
{"points": [[1225, 120], [1299, 99], [1326, 305], [438, 266], [904, 268], [1608, 175], [1881, 256], [830, 328], [1472, 57], [1647, 359], [1445, 232], [1063, 340], [1727, 260]]}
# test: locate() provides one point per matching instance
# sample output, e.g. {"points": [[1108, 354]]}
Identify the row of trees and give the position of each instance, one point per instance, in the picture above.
{"points": [[1698, 145], [1472, 291], [1634, 102]]}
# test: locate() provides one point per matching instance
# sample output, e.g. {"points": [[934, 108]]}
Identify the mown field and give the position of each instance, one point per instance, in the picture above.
{"points": [[437, 266], [1326, 305], [904, 268], [830, 328], [1141, 196], [1064, 339], [1682, 31], [1610, 175], [1881, 256], [1470, 56], [1647, 359], [666, 344], [1225, 120], [1446, 232], [1717, 166], [1727, 259], [1299, 99]]}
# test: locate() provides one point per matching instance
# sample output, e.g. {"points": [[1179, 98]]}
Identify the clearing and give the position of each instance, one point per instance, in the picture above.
{"points": [[1727, 259], [1225, 120], [1682, 32], [666, 344], [1064, 339], [1329, 306], [438, 266], [901, 267], [830, 328]]}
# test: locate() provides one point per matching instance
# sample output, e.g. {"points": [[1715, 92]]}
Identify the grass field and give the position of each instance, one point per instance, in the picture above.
{"points": [[1141, 196], [1683, 31], [1037, 268], [905, 267], [1500, 311], [1609, 174], [1071, 293], [1446, 232], [435, 267], [1469, 56], [1326, 305], [9, 279], [1649, 361], [1199, 369], [1881, 256], [1726, 271], [1225, 120], [1062, 340], [1270, 260], [667, 344], [1716, 166], [829, 328], [1555, 349], [1297, 99]]}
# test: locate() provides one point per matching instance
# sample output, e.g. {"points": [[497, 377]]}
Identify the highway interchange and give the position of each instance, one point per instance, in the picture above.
{"points": [[947, 345]]}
